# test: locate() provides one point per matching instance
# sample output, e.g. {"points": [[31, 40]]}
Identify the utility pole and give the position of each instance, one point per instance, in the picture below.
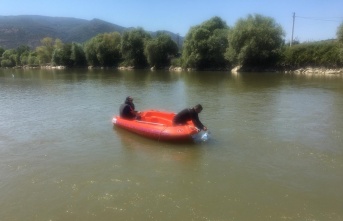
{"points": [[292, 30]]}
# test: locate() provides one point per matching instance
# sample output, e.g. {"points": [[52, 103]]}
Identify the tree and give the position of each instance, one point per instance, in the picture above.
{"points": [[104, 49], [255, 42], [33, 59], [44, 52], [340, 40], [24, 58], [78, 55], [62, 55], [8, 58], [204, 46], [91, 52], [160, 50], [132, 47], [21, 55], [340, 33], [110, 48]]}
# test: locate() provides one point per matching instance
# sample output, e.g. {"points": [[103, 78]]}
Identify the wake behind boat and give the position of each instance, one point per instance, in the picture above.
{"points": [[158, 125]]}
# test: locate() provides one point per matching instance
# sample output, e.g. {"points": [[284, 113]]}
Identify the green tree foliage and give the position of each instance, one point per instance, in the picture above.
{"points": [[316, 54], [104, 50], [15, 57], [160, 50], [62, 55], [255, 42], [340, 40], [20, 56], [1, 52], [204, 46], [9, 58], [24, 58], [91, 49], [132, 47], [45, 51], [33, 59], [21, 51], [340, 33], [78, 55]]}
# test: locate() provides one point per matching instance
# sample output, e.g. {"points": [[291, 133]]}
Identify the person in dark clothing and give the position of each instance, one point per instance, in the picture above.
{"points": [[127, 109], [189, 114]]}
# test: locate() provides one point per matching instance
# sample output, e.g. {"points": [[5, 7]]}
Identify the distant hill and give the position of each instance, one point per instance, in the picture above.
{"points": [[30, 29]]}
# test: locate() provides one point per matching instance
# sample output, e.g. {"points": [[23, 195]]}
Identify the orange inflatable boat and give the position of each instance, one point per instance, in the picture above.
{"points": [[158, 125]]}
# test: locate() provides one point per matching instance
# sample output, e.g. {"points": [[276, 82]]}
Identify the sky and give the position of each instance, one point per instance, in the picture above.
{"points": [[315, 20]]}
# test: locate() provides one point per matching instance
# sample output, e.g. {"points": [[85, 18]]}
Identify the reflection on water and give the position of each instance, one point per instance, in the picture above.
{"points": [[275, 147], [178, 152]]}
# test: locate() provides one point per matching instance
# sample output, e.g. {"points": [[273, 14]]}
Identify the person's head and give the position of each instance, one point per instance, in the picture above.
{"points": [[129, 99], [198, 108]]}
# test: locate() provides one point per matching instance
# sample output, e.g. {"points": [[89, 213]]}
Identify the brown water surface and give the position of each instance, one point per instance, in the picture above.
{"points": [[275, 153]]}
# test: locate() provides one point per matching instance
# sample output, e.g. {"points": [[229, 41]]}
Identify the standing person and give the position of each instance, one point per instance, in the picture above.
{"points": [[190, 114], [127, 109]]}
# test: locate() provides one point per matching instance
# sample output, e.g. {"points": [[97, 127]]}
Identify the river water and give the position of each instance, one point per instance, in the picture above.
{"points": [[275, 150]]}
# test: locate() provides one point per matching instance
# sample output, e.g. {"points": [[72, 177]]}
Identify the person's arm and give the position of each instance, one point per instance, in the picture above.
{"points": [[133, 111], [197, 122]]}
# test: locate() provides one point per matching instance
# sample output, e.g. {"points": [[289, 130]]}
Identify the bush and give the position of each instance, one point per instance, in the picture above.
{"points": [[314, 54]]}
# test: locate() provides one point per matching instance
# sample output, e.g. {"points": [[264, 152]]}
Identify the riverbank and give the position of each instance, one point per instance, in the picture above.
{"points": [[317, 71], [237, 69], [299, 71]]}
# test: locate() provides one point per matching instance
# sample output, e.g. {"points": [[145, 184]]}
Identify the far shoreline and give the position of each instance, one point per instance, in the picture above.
{"points": [[298, 71]]}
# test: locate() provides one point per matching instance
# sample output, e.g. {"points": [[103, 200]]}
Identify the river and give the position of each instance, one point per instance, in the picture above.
{"points": [[275, 150]]}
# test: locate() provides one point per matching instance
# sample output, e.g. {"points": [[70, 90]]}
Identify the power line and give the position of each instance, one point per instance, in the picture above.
{"points": [[333, 19], [326, 19]]}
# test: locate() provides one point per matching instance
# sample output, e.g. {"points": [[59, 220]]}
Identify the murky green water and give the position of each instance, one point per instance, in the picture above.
{"points": [[276, 148]]}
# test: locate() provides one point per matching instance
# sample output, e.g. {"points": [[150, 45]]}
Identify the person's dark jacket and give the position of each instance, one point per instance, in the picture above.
{"points": [[126, 110], [188, 114]]}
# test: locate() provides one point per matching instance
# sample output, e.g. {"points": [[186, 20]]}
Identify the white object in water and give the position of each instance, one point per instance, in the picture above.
{"points": [[204, 137]]}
